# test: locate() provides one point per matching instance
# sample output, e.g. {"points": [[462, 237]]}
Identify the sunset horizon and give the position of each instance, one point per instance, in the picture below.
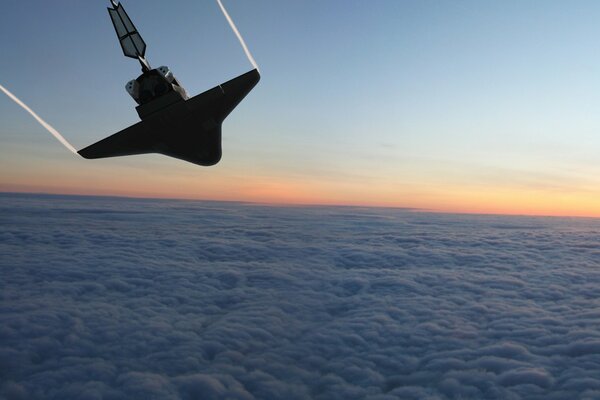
{"points": [[500, 211], [432, 105]]}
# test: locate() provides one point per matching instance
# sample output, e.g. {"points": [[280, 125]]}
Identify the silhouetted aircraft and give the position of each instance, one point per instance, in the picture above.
{"points": [[171, 123]]}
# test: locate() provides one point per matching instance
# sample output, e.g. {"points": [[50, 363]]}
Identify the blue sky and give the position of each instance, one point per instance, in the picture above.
{"points": [[422, 102]]}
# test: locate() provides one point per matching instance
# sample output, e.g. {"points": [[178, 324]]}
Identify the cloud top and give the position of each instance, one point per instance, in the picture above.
{"points": [[135, 299]]}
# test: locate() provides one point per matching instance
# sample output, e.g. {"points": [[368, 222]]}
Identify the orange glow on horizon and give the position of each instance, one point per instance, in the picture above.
{"points": [[450, 199]]}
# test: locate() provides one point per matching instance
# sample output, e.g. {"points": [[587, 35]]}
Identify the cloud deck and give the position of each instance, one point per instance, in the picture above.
{"points": [[134, 299]]}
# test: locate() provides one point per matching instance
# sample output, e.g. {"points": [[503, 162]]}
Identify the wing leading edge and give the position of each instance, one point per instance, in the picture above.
{"points": [[189, 129]]}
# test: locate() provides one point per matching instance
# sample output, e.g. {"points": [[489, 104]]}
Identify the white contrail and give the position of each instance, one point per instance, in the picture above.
{"points": [[38, 119], [237, 33]]}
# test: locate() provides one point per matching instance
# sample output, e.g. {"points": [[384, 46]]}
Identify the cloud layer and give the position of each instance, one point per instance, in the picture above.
{"points": [[142, 299]]}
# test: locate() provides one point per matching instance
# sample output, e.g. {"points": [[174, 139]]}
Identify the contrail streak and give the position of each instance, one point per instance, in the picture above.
{"points": [[38, 119], [239, 36]]}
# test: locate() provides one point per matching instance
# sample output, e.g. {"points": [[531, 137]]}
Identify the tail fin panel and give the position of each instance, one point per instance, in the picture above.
{"points": [[131, 41]]}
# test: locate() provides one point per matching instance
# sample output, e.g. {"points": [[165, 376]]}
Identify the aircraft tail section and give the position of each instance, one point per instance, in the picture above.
{"points": [[130, 39]]}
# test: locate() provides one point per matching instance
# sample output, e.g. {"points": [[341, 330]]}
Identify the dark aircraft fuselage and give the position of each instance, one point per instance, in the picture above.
{"points": [[186, 129]]}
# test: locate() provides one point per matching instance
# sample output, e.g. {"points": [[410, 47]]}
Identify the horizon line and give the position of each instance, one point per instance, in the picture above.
{"points": [[282, 205]]}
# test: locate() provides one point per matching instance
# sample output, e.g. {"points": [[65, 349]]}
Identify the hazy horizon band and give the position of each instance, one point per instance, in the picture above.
{"points": [[46, 125]]}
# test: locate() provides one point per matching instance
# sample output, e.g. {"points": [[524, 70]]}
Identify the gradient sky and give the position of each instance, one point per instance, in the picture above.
{"points": [[463, 106]]}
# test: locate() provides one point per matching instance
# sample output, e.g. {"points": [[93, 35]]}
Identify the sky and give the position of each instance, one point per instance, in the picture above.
{"points": [[453, 106]]}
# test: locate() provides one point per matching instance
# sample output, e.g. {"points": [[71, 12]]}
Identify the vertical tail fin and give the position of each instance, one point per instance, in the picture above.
{"points": [[130, 39]]}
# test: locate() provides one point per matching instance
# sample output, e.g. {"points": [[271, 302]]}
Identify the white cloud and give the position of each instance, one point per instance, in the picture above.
{"points": [[123, 299]]}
